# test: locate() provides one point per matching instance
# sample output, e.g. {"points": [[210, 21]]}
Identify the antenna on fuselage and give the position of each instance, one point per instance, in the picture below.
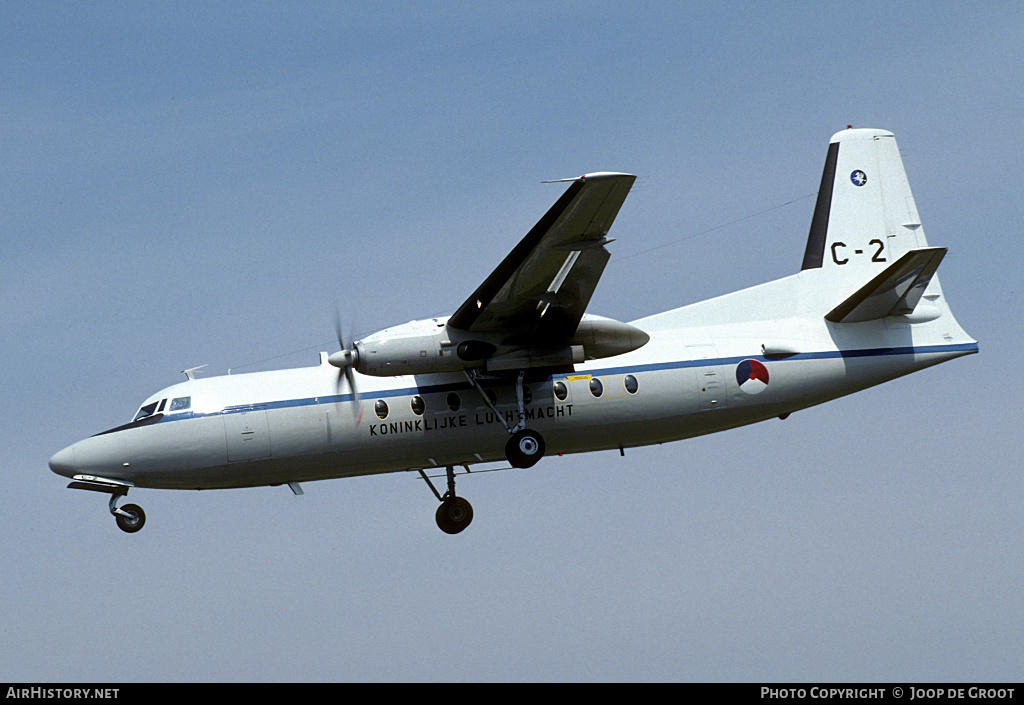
{"points": [[191, 373]]}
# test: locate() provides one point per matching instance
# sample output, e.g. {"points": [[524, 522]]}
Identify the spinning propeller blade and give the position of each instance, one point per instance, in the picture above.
{"points": [[345, 360]]}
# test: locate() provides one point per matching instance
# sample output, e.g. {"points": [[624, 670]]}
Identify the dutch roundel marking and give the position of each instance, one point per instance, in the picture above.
{"points": [[752, 376], [859, 178]]}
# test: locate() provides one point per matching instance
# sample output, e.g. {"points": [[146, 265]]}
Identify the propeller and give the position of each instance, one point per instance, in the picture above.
{"points": [[345, 360]]}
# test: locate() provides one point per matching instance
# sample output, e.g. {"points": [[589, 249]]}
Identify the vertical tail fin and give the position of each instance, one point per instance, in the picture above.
{"points": [[865, 217]]}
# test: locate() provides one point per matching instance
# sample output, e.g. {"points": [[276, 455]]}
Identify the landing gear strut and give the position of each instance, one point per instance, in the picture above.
{"points": [[130, 518], [526, 446], [455, 512]]}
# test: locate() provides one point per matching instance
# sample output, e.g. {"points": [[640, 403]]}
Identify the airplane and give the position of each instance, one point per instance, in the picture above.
{"points": [[520, 370]]}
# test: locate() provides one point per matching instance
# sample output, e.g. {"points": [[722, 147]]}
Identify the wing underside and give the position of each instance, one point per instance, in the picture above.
{"points": [[539, 292]]}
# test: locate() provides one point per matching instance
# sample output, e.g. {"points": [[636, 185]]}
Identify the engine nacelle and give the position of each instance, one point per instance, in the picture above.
{"points": [[429, 346], [605, 337], [527, 358], [414, 348]]}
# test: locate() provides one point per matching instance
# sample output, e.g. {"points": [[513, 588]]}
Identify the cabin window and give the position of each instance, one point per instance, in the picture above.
{"points": [[631, 384], [381, 409], [596, 388], [454, 402], [147, 410], [181, 403], [561, 391], [527, 395], [417, 405]]}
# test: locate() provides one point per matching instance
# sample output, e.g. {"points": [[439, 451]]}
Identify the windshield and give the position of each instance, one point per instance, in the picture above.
{"points": [[147, 410]]}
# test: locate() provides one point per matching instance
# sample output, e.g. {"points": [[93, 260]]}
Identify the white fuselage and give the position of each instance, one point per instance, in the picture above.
{"points": [[753, 355]]}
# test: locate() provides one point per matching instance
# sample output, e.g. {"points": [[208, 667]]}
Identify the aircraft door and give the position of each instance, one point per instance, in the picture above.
{"points": [[710, 376], [248, 434]]}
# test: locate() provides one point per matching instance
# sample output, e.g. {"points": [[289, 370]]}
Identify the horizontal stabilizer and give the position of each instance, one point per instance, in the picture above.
{"points": [[893, 292]]}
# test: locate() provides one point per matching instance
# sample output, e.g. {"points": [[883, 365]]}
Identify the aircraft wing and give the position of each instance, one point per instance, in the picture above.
{"points": [[539, 292]]}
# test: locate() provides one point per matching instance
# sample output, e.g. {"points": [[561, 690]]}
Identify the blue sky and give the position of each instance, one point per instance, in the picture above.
{"points": [[206, 183]]}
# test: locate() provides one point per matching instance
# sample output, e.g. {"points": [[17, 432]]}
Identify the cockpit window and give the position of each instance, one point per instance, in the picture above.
{"points": [[181, 403], [147, 410]]}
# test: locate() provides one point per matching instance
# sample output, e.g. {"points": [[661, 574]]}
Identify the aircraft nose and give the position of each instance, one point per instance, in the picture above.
{"points": [[63, 462]]}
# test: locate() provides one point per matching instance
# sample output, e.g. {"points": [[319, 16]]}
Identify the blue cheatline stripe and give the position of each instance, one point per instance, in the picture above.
{"points": [[826, 355], [627, 369]]}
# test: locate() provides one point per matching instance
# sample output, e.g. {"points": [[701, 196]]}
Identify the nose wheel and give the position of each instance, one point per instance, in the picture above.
{"points": [[130, 518]]}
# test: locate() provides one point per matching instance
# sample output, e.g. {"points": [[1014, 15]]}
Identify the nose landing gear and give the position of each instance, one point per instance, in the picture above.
{"points": [[130, 518]]}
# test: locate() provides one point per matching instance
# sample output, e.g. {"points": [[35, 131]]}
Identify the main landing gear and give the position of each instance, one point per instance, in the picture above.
{"points": [[455, 512], [523, 450], [526, 446]]}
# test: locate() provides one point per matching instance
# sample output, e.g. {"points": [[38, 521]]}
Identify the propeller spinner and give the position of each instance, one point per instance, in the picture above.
{"points": [[345, 360]]}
